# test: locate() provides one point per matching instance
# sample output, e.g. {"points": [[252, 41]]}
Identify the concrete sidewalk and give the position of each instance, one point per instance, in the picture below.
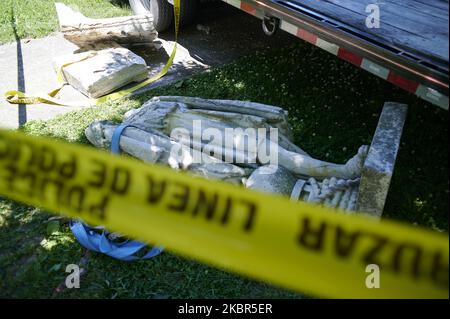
{"points": [[27, 64]]}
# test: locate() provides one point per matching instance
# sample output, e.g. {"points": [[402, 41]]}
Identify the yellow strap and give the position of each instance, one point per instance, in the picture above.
{"points": [[122, 93], [73, 59], [300, 246], [17, 97]]}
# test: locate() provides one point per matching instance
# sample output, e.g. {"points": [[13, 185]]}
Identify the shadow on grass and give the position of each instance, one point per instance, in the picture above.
{"points": [[22, 108], [120, 3]]}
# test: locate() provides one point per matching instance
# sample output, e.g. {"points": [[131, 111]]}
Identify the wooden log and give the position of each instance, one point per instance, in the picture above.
{"points": [[82, 30]]}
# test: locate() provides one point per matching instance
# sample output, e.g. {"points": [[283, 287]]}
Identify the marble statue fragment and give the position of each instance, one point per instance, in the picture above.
{"points": [[97, 73], [150, 137]]}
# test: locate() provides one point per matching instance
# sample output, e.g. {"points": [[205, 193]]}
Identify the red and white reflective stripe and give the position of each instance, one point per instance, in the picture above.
{"points": [[244, 6], [432, 96], [420, 90]]}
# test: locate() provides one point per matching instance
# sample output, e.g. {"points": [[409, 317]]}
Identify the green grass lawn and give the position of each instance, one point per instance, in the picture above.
{"points": [[37, 18], [334, 108]]}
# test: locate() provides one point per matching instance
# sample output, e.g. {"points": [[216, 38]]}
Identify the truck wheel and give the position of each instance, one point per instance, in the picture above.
{"points": [[161, 10], [188, 10]]}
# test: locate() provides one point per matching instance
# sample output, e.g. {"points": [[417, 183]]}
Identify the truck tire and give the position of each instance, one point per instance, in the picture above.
{"points": [[161, 10], [188, 10]]}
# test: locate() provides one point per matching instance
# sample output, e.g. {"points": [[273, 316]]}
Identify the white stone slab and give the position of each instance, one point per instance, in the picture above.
{"points": [[104, 72], [379, 165]]}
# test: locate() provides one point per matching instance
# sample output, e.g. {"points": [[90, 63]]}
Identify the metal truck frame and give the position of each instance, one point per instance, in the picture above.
{"points": [[409, 49]]}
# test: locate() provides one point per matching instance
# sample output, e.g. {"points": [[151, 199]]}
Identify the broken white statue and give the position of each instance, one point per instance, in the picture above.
{"points": [[150, 137], [330, 192], [97, 73], [124, 30]]}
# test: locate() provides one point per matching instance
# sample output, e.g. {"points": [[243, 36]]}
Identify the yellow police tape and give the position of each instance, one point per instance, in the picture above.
{"points": [[17, 97], [299, 246]]}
